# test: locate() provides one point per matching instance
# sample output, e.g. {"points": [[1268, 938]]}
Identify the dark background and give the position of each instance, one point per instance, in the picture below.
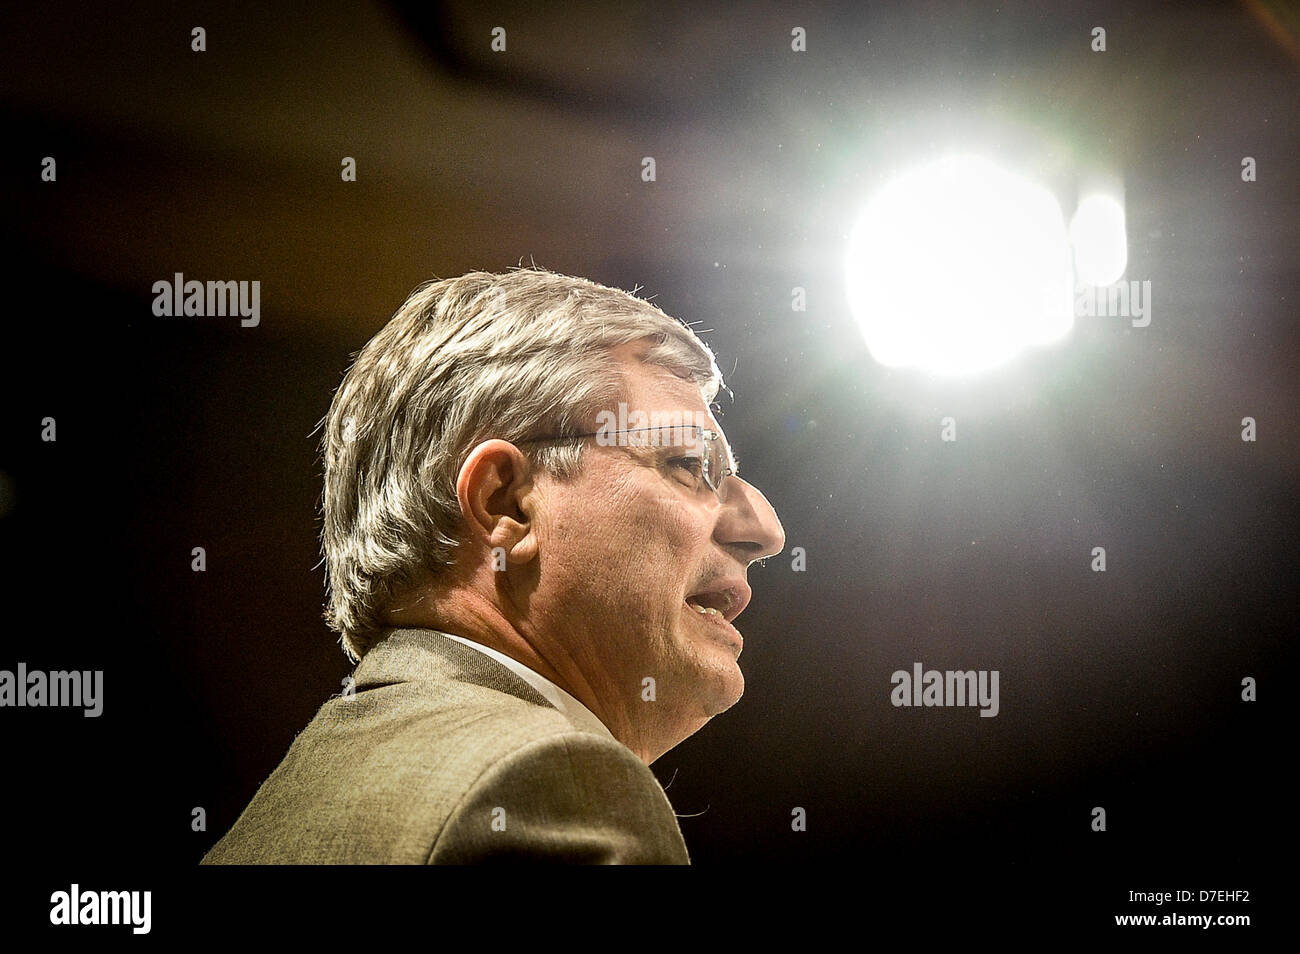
{"points": [[1118, 689]]}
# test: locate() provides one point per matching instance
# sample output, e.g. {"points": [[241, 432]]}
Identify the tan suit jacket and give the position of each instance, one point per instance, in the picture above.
{"points": [[445, 756]]}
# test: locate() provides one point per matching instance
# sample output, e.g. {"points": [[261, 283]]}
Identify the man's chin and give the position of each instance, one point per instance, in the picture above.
{"points": [[714, 670], [730, 687]]}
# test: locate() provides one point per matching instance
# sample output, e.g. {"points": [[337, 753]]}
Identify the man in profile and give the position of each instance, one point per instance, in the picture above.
{"points": [[536, 543]]}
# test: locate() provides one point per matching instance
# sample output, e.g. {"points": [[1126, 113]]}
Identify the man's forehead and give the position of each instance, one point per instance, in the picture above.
{"points": [[661, 389]]}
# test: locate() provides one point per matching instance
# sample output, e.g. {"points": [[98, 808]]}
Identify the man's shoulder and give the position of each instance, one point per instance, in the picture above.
{"points": [[573, 797], [432, 731]]}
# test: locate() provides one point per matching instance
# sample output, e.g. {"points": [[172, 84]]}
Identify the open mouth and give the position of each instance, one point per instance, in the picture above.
{"points": [[710, 604], [725, 598], [717, 609]]}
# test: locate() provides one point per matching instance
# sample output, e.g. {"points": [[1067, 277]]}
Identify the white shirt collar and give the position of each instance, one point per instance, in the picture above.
{"points": [[576, 712]]}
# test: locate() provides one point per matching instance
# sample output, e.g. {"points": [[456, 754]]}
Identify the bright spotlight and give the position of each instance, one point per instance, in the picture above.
{"points": [[1100, 242], [959, 265]]}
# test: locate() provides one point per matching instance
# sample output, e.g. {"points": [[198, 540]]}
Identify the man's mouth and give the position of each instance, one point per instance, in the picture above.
{"points": [[719, 606], [715, 620], [725, 599], [708, 604]]}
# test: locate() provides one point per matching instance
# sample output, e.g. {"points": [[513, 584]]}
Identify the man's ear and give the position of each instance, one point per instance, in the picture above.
{"points": [[492, 488]]}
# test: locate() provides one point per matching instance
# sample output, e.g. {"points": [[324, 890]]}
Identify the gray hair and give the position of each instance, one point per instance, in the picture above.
{"points": [[513, 355]]}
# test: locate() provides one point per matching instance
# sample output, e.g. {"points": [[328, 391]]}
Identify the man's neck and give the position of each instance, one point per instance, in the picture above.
{"points": [[481, 622]]}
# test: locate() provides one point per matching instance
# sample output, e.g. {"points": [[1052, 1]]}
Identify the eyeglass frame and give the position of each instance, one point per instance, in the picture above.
{"points": [[702, 434]]}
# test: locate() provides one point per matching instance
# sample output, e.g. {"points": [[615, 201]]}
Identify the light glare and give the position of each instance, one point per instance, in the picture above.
{"points": [[1100, 241], [959, 265]]}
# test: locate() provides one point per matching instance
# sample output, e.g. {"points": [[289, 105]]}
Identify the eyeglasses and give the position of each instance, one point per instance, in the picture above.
{"points": [[715, 465]]}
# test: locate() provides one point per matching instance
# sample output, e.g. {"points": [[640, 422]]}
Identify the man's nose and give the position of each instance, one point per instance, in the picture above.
{"points": [[748, 522]]}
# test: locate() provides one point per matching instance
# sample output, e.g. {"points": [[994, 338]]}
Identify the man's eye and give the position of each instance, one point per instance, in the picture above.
{"points": [[692, 465]]}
